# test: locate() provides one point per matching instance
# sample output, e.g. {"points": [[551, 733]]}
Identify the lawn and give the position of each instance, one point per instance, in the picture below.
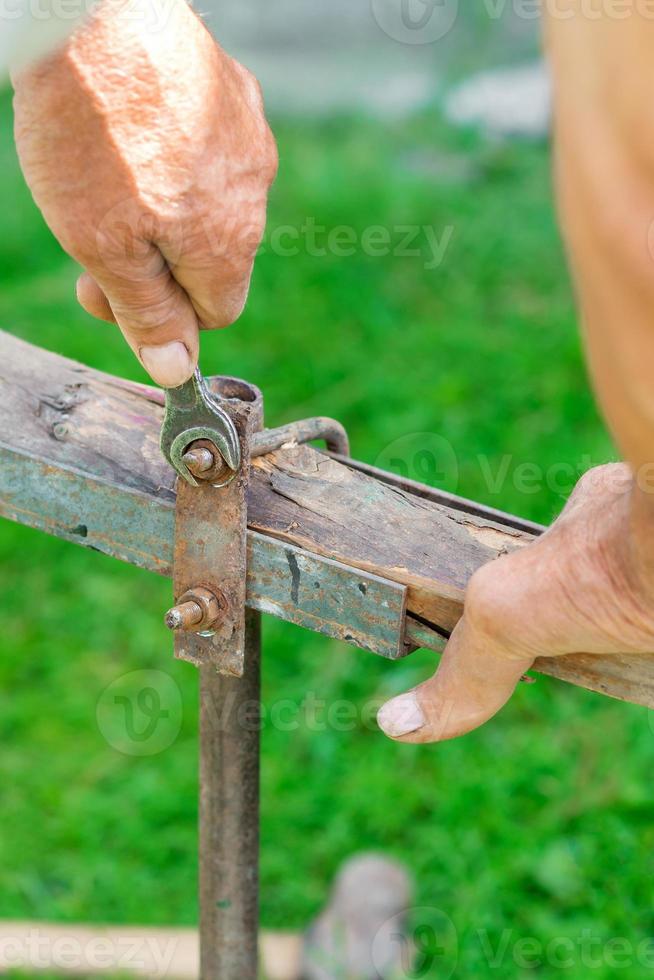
{"points": [[467, 372]]}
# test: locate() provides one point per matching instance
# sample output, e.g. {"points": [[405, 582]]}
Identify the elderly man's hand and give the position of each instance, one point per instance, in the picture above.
{"points": [[586, 586], [147, 150]]}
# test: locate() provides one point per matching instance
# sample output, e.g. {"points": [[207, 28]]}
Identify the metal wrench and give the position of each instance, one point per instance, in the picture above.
{"points": [[193, 413]]}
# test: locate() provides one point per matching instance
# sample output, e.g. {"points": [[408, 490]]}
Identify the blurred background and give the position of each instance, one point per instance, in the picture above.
{"points": [[453, 357]]}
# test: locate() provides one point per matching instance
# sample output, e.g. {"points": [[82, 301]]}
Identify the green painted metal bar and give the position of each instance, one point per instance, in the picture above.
{"points": [[284, 581]]}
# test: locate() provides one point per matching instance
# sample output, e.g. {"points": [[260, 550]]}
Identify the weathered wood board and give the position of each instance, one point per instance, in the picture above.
{"points": [[303, 496], [79, 457]]}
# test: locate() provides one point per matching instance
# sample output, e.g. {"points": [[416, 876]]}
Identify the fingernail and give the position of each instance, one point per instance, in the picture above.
{"points": [[401, 716], [169, 365]]}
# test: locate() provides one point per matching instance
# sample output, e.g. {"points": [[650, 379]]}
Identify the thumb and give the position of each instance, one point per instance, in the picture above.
{"points": [[154, 314], [475, 678]]}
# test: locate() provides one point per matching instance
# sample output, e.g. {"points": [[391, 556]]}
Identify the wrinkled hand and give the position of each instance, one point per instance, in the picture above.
{"points": [[147, 150], [586, 586]]}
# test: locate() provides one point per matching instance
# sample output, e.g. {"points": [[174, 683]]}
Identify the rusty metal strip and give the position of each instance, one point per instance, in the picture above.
{"points": [[210, 552], [307, 430]]}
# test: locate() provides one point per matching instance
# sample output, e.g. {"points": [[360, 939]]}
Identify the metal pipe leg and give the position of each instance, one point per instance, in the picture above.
{"points": [[229, 816]]}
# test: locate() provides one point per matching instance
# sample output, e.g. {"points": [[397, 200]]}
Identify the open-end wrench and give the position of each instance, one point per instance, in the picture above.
{"points": [[194, 414]]}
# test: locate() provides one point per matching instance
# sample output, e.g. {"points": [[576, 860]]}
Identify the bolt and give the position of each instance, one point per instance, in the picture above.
{"points": [[60, 430], [197, 610], [199, 461], [205, 462], [184, 616]]}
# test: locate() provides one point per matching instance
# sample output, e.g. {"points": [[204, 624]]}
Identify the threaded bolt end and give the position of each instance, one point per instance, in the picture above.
{"points": [[184, 616]]}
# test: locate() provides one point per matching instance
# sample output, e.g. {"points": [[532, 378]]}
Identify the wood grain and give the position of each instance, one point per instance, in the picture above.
{"points": [[305, 497], [81, 428]]}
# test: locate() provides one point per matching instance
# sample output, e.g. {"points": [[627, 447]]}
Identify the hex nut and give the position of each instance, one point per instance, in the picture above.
{"points": [[197, 610], [207, 470]]}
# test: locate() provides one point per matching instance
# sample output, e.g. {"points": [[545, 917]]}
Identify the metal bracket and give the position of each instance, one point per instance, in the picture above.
{"points": [[210, 433], [211, 519]]}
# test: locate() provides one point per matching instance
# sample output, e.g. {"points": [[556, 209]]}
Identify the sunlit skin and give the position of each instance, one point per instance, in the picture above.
{"points": [[149, 154], [147, 149], [588, 584]]}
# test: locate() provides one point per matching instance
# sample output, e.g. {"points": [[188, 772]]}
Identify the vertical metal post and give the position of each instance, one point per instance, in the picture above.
{"points": [[229, 816]]}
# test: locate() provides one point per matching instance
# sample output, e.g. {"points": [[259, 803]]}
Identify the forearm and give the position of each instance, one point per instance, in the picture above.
{"points": [[604, 136], [587, 584]]}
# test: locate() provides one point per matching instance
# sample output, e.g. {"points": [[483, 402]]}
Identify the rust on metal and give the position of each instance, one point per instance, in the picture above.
{"points": [[229, 816], [198, 610], [230, 734], [297, 433], [199, 461], [206, 464], [106, 487], [211, 543], [184, 616], [194, 413]]}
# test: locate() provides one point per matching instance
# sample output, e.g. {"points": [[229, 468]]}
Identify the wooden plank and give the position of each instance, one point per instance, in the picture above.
{"points": [[77, 442], [315, 502], [438, 496]]}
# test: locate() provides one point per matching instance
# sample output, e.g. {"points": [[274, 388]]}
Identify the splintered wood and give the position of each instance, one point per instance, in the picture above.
{"points": [[79, 458], [314, 502]]}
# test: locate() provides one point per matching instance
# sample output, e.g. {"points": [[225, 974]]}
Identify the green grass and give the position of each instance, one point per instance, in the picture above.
{"points": [[541, 823]]}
